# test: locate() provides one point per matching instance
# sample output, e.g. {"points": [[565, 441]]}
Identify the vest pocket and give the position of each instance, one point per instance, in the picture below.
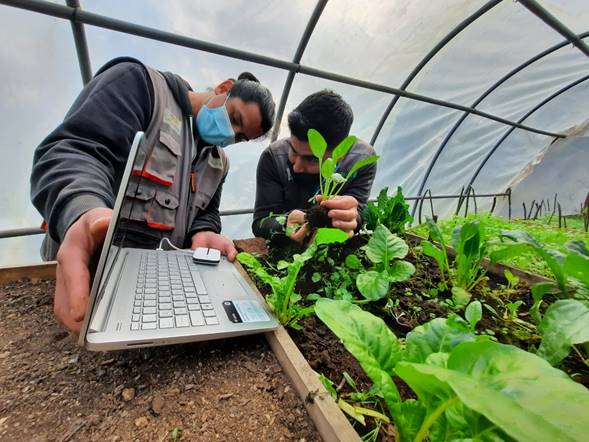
{"points": [[137, 203], [162, 212], [163, 162]]}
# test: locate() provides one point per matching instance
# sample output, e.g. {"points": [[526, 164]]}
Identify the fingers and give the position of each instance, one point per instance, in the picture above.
{"points": [[98, 228], [300, 234], [61, 308], [231, 251], [73, 262], [295, 217], [343, 202]]}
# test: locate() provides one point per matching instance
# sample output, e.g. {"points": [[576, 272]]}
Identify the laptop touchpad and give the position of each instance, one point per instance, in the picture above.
{"points": [[238, 304]]}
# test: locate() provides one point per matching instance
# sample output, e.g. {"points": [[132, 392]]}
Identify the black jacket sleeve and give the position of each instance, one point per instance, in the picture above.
{"points": [[269, 197], [79, 165]]}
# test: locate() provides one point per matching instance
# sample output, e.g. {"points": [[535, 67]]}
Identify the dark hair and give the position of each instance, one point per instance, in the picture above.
{"points": [[324, 111], [248, 88]]}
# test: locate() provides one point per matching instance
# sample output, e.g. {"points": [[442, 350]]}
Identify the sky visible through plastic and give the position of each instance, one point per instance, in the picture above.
{"points": [[377, 41]]}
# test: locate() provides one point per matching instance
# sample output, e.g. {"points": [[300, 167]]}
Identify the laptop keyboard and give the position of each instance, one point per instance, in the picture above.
{"points": [[170, 293]]}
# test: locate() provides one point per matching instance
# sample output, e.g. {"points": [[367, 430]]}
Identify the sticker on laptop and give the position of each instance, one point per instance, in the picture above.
{"points": [[245, 311]]}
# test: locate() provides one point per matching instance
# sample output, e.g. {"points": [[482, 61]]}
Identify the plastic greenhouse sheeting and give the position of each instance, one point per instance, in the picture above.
{"points": [[380, 42]]}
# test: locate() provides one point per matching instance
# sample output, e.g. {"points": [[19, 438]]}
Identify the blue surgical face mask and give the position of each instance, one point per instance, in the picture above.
{"points": [[214, 125]]}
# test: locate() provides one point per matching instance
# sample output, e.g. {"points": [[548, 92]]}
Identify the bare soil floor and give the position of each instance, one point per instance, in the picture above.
{"points": [[51, 390]]}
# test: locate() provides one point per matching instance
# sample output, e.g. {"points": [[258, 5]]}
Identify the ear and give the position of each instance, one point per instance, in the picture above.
{"points": [[224, 87]]}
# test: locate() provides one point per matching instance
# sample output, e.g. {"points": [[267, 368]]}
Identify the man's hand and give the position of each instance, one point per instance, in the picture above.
{"points": [[296, 226], [343, 211], [213, 240], [72, 285]]}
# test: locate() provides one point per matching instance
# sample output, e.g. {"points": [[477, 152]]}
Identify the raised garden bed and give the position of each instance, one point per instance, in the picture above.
{"points": [[51, 390], [504, 305]]}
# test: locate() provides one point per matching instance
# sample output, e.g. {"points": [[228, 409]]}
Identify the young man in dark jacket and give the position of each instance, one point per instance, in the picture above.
{"points": [[78, 167], [288, 173]]}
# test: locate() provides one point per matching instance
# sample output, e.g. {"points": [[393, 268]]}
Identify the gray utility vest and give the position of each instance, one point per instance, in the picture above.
{"points": [[165, 192]]}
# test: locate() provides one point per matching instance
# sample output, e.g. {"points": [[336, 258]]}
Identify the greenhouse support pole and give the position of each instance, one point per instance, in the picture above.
{"points": [[530, 112], [81, 43], [437, 48], [535, 8], [319, 7], [484, 95]]}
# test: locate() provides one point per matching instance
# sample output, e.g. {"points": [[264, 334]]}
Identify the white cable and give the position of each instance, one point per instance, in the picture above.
{"points": [[172, 246]]}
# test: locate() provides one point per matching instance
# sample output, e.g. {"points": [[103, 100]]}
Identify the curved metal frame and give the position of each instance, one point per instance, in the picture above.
{"points": [[78, 18], [437, 48], [530, 112], [81, 44], [484, 95], [81, 16], [319, 7]]}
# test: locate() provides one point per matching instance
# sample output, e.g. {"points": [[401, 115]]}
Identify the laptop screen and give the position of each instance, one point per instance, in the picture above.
{"points": [[112, 248]]}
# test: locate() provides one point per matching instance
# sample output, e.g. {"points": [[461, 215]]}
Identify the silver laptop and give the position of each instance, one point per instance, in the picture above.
{"points": [[142, 298]]}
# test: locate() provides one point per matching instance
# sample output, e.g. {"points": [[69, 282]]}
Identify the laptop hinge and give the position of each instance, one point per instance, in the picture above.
{"points": [[108, 288]]}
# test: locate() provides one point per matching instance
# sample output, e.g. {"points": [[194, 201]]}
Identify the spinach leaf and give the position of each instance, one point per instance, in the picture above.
{"points": [[565, 323], [515, 390]]}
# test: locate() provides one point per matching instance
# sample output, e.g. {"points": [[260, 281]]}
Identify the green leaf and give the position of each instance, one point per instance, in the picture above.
{"points": [[460, 296], [440, 256], [329, 236], [540, 290], [383, 246], [473, 313], [577, 267], [436, 336], [317, 143], [350, 410], [368, 339], [565, 323], [353, 262], [327, 169], [400, 271], [362, 163], [373, 285], [516, 390], [343, 147], [328, 384]]}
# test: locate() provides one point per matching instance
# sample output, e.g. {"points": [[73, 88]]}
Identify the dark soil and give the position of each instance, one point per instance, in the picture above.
{"points": [[317, 217], [51, 390]]}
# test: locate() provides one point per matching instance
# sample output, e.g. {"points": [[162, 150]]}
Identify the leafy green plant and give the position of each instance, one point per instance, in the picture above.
{"points": [[385, 250], [465, 273], [551, 236], [390, 211], [565, 322], [283, 300], [355, 404], [331, 182], [467, 387]]}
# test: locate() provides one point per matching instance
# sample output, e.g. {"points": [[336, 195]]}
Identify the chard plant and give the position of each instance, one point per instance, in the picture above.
{"points": [[390, 211], [470, 244], [565, 323], [330, 181], [467, 387], [386, 252], [284, 301]]}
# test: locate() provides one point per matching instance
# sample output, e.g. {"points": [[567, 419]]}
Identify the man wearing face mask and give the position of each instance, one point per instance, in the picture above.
{"points": [[78, 167], [288, 173]]}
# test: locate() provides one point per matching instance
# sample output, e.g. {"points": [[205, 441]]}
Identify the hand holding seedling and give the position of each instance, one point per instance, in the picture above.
{"points": [[296, 227], [72, 285], [343, 211]]}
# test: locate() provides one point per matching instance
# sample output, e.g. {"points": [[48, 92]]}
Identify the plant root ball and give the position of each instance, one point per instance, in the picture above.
{"points": [[317, 217]]}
